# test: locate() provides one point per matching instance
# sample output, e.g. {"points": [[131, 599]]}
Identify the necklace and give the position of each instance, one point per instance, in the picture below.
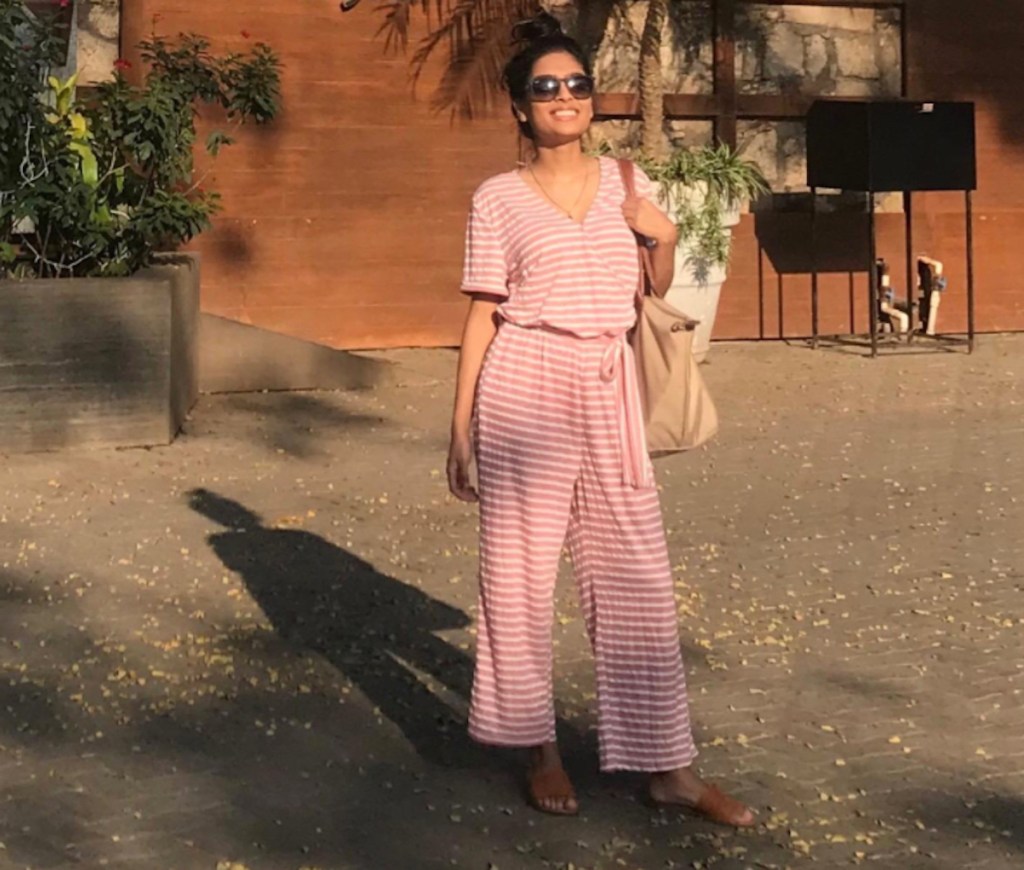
{"points": [[551, 199]]}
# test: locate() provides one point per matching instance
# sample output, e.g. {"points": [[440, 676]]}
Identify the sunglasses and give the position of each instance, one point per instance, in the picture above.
{"points": [[544, 89]]}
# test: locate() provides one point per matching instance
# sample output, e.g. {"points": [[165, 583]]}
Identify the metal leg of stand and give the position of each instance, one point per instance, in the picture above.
{"points": [[760, 290], [851, 293], [908, 215], [970, 271], [814, 267], [872, 277]]}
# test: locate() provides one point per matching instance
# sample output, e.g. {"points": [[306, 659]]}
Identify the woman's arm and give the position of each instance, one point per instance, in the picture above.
{"points": [[644, 217], [663, 261], [477, 335]]}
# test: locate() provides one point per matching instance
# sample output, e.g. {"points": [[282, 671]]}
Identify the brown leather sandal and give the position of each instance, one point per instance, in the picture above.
{"points": [[550, 782], [716, 806]]}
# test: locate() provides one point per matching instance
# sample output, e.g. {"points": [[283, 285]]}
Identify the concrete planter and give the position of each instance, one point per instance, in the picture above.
{"points": [[699, 299], [99, 362]]}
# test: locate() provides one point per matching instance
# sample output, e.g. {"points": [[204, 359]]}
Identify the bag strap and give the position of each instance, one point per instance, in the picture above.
{"points": [[627, 169]]}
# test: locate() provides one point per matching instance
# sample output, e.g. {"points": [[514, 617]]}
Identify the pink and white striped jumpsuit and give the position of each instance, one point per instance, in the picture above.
{"points": [[556, 421]]}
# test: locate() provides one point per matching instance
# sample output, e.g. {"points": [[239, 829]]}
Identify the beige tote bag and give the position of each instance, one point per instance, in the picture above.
{"points": [[678, 411]]}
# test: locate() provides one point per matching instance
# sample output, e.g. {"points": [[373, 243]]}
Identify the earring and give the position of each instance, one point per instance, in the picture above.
{"points": [[521, 117]]}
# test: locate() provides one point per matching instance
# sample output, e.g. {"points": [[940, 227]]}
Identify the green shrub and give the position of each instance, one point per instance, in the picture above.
{"points": [[95, 185]]}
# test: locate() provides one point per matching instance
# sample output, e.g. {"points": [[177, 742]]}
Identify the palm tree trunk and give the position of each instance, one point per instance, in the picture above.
{"points": [[652, 86]]}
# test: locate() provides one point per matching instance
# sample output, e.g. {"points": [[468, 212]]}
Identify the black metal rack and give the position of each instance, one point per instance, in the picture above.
{"points": [[892, 146]]}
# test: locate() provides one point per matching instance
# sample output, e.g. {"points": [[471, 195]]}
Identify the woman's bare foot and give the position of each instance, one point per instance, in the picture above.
{"points": [[547, 783], [684, 788]]}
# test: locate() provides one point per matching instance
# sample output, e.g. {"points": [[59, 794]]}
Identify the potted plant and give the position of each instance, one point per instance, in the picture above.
{"points": [[704, 190], [96, 327]]}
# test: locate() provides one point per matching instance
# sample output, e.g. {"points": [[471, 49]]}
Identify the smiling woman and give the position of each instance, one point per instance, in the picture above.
{"points": [[546, 404]]}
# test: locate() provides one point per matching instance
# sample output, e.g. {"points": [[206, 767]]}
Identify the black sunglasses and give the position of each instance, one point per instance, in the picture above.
{"points": [[543, 89]]}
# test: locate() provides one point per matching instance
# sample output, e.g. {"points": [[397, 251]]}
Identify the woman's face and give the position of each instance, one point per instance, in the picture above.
{"points": [[565, 118]]}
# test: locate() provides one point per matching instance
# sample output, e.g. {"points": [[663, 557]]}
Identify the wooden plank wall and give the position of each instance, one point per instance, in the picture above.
{"points": [[343, 221]]}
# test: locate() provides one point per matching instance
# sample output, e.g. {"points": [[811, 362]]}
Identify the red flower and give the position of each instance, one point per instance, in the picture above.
{"points": [[64, 4], [121, 64], [246, 34]]}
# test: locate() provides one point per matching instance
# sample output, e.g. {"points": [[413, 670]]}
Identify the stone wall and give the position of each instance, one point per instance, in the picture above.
{"points": [[98, 26], [781, 49], [818, 50]]}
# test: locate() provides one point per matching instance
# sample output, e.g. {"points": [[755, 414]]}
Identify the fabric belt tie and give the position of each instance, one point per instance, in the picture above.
{"points": [[618, 367]]}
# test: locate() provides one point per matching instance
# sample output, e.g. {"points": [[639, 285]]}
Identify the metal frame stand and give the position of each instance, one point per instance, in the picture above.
{"points": [[873, 288]]}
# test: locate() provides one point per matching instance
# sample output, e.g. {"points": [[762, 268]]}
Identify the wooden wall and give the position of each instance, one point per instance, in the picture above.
{"points": [[343, 220]]}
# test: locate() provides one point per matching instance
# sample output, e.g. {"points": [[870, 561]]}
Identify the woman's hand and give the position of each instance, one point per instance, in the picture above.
{"points": [[460, 460], [645, 218]]}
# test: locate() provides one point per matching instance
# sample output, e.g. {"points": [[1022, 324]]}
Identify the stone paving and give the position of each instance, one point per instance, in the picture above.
{"points": [[253, 648]]}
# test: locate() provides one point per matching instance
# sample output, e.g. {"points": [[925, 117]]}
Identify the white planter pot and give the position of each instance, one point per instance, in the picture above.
{"points": [[695, 298]]}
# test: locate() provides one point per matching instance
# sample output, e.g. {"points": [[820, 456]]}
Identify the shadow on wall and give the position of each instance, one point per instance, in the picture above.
{"points": [[784, 239], [840, 236], [231, 243], [958, 57]]}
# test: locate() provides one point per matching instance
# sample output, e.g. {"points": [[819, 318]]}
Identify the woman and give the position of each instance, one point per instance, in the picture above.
{"points": [[551, 268]]}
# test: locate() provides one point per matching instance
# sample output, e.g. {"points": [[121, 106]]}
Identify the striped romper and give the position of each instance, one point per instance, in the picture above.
{"points": [[559, 460]]}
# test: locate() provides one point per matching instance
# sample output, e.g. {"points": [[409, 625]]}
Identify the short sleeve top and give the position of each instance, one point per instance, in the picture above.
{"points": [[549, 270]]}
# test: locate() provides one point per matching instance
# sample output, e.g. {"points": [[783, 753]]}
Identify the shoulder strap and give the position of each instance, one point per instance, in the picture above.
{"points": [[627, 170]]}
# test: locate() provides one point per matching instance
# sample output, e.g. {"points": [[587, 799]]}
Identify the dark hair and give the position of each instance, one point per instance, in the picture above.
{"points": [[536, 37]]}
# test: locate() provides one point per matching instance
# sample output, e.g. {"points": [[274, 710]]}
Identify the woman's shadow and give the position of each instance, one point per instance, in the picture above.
{"points": [[370, 626]]}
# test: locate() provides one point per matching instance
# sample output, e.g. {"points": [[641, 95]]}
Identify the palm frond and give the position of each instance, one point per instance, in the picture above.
{"points": [[476, 37], [395, 26], [471, 81], [397, 15]]}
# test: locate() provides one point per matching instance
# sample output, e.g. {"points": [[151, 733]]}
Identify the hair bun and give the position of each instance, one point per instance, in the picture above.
{"points": [[542, 26]]}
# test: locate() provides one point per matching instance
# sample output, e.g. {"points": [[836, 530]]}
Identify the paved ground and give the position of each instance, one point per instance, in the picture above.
{"points": [[254, 646]]}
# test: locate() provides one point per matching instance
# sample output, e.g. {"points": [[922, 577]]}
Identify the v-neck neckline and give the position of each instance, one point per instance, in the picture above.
{"points": [[543, 200]]}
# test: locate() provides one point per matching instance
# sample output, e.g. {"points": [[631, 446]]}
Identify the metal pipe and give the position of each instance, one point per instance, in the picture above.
{"points": [[872, 277], [970, 271], [760, 290], [908, 217], [814, 267]]}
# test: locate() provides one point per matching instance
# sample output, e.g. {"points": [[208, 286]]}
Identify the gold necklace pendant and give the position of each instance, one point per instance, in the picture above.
{"points": [[551, 199]]}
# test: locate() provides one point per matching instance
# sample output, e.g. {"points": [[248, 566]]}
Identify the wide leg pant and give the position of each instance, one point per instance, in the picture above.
{"points": [[550, 465]]}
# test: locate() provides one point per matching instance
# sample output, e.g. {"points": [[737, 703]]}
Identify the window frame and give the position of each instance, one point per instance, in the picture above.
{"points": [[726, 106]]}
